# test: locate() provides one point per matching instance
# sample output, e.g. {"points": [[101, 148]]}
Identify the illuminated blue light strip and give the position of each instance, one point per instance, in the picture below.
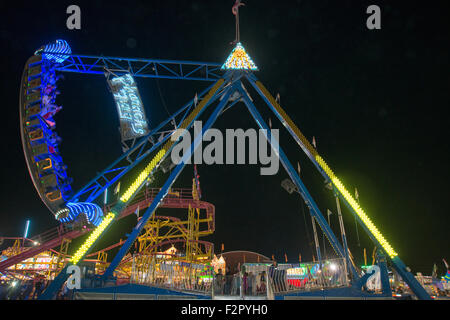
{"points": [[92, 211], [57, 52], [26, 229]]}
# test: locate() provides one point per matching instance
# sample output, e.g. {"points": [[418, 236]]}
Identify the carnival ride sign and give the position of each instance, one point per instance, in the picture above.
{"points": [[133, 123]]}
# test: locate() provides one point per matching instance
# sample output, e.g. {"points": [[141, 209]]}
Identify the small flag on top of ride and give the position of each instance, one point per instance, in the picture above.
{"points": [[137, 212], [235, 11], [223, 247], [356, 194], [117, 189], [235, 8], [285, 258], [299, 258], [314, 142], [195, 100]]}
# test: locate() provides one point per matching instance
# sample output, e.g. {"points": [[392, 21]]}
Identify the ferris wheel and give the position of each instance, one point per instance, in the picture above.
{"points": [[39, 99]]}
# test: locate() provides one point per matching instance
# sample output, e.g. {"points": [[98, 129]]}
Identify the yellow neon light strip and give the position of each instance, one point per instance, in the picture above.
{"points": [[155, 161], [336, 182], [142, 176], [93, 236], [352, 202]]}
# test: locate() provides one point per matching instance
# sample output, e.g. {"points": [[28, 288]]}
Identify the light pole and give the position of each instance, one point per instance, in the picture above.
{"points": [[27, 226]]}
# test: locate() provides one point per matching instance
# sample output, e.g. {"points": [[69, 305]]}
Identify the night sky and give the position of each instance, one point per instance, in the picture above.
{"points": [[375, 100]]}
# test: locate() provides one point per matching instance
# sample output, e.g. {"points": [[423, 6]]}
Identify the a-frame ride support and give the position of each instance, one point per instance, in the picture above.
{"points": [[214, 91], [231, 82], [165, 189], [314, 210]]}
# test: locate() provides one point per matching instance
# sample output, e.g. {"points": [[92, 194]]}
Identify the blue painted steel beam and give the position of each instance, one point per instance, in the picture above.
{"points": [[121, 205], [409, 278], [54, 286], [52, 289], [165, 188], [145, 68], [313, 208], [384, 275], [252, 79], [141, 144]]}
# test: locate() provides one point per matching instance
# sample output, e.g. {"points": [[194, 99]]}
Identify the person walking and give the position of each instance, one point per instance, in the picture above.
{"points": [[228, 279], [37, 289], [263, 286], [219, 282], [245, 283], [252, 284]]}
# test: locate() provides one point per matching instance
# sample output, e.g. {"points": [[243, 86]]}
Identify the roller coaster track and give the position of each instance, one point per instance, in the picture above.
{"points": [[45, 241], [178, 198], [208, 245]]}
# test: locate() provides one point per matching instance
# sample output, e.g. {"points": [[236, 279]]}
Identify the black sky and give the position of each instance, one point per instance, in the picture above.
{"points": [[376, 102]]}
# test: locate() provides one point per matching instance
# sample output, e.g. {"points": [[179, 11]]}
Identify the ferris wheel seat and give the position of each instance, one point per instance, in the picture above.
{"points": [[33, 97], [32, 123], [35, 71], [36, 135], [34, 84], [54, 195], [33, 111], [45, 164]]}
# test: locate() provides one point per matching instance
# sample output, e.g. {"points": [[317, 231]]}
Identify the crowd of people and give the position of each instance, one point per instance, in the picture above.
{"points": [[233, 281], [29, 290], [21, 289], [254, 283]]}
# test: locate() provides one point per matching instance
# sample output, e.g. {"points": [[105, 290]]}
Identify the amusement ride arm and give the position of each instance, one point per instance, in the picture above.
{"points": [[339, 188]]}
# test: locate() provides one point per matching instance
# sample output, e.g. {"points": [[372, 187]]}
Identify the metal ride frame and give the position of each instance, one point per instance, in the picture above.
{"points": [[15, 252], [225, 90], [144, 68], [162, 230]]}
